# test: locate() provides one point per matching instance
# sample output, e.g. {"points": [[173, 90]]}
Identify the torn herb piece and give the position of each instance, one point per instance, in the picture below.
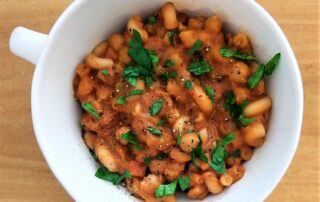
{"points": [[87, 106]]}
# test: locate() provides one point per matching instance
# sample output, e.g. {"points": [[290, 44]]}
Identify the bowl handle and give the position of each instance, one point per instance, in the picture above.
{"points": [[27, 44]]}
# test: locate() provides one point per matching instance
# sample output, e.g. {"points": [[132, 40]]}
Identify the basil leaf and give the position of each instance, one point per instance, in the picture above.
{"points": [[154, 131], [171, 36], [132, 139], [156, 107], [195, 47], [168, 75], [188, 85], [154, 58], [166, 189], [219, 153], [121, 100], [210, 92], [228, 52], [184, 182], [135, 92], [245, 121], [256, 77], [147, 160], [272, 64], [169, 63], [104, 174], [161, 122], [199, 67], [152, 20], [104, 72], [87, 106]]}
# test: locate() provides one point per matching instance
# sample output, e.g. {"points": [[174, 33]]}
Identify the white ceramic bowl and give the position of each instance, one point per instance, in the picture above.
{"points": [[55, 114]]}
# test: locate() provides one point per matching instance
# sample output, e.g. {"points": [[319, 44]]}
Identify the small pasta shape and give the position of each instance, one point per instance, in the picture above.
{"points": [[213, 25], [195, 179], [257, 107], [135, 23], [242, 42], [180, 123], [97, 62], [254, 134], [226, 180], [212, 183], [169, 16], [198, 192], [179, 156], [85, 86], [246, 152], [100, 49], [158, 166], [116, 41], [236, 172], [189, 142], [201, 98], [121, 131], [105, 156], [140, 85], [188, 38], [90, 139], [239, 72]]}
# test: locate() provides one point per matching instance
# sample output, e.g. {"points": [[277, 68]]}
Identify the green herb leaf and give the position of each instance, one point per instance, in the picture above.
{"points": [[156, 107], [245, 121], [137, 52], [135, 92], [256, 77], [132, 139], [104, 174], [184, 182], [168, 75], [121, 100], [152, 20], [87, 106], [169, 63], [178, 138], [210, 92], [160, 156], [236, 153], [171, 36], [231, 105], [219, 153], [272, 64], [198, 153], [166, 189], [188, 85], [154, 58], [104, 72], [199, 67], [161, 122], [147, 160], [228, 52], [131, 74], [153, 131], [195, 47]]}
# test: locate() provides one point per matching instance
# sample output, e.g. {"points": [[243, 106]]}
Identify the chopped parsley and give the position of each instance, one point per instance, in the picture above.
{"points": [[228, 53], [161, 122], [104, 174], [171, 36], [168, 75], [169, 63], [145, 60], [195, 47], [152, 20], [199, 67], [184, 182], [135, 92], [166, 189], [245, 121], [87, 106], [154, 131], [121, 100], [198, 153], [154, 58], [178, 138], [104, 72], [132, 139], [264, 70], [155, 108], [219, 153], [236, 153], [147, 160], [188, 85], [210, 92]]}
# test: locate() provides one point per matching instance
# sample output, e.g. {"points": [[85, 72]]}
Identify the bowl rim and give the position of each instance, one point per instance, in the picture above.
{"points": [[36, 83]]}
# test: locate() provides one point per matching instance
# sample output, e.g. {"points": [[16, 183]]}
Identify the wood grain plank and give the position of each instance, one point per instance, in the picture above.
{"points": [[24, 174]]}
